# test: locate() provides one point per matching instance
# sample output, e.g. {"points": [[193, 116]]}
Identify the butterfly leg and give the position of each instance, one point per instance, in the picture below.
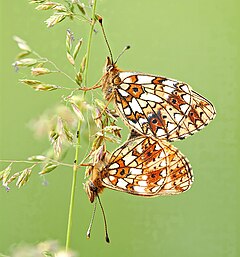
{"points": [[90, 88], [97, 85], [105, 108]]}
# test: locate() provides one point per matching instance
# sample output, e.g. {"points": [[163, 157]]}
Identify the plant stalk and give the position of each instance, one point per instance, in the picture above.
{"points": [[73, 189], [75, 166], [89, 43]]}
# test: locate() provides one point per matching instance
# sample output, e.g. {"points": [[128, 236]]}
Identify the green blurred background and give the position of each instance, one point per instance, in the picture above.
{"points": [[193, 41]]}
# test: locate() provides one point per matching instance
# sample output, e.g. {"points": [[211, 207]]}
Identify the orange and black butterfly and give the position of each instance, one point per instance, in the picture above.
{"points": [[141, 166], [154, 105]]}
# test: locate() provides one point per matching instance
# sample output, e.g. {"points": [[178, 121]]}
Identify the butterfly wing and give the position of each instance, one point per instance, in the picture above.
{"points": [[157, 106], [147, 167], [199, 116]]}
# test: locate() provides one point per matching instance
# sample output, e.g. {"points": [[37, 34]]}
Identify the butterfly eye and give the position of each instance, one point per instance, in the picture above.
{"points": [[108, 64], [90, 190], [109, 68]]}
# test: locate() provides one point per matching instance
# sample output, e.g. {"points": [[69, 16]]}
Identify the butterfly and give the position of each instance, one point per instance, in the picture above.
{"points": [[156, 106], [142, 166]]}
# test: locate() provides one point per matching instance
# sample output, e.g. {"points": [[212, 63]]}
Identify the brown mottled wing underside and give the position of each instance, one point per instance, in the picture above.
{"points": [[160, 107], [147, 167]]}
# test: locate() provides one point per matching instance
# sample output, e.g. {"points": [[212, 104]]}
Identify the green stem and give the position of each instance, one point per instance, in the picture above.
{"points": [[89, 43], [73, 189], [75, 166]]}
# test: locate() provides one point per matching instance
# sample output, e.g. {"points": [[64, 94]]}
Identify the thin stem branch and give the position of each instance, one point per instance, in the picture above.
{"points": [[55, 66], [37, 162], [83, 18], [76, 160]]}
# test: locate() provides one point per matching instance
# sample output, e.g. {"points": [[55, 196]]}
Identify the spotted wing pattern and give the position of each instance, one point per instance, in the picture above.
{"points": [[147, 167], [159, 106], [199, 116]]}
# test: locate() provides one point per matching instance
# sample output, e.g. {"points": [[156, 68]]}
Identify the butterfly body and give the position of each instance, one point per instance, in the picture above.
{"points": [[94, 184]]}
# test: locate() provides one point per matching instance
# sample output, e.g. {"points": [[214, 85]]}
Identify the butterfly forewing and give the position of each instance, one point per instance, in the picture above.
{"points": [[147, 167], [199, 115], [152, 105]]}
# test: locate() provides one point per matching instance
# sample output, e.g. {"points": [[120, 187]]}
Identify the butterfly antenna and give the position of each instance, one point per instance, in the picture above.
{"points": [[105, 220], [100, 20], [91, 222], [124, 49]]}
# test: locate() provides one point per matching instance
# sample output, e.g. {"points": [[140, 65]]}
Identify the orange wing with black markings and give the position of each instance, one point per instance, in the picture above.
{"points": [[199, 116], [147, 167], [156, 106]]}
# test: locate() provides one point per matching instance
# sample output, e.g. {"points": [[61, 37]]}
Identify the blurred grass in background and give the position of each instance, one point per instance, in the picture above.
{"points": [[193, 41]]}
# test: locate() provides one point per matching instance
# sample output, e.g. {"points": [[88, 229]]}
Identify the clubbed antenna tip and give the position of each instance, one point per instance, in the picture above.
{"points": [[88, 234], [107, 239]]}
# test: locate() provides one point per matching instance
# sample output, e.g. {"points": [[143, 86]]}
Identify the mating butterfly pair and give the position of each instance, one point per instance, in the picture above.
{"points": [[158, 110]]}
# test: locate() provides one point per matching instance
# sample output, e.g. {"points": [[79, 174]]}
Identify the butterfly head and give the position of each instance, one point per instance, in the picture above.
{"points": [[91, 190], [110, 73], [94, 186], [109, 65]]}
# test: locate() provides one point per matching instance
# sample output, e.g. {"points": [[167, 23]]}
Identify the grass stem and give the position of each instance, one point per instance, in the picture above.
{"points": [[76, 160]]}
